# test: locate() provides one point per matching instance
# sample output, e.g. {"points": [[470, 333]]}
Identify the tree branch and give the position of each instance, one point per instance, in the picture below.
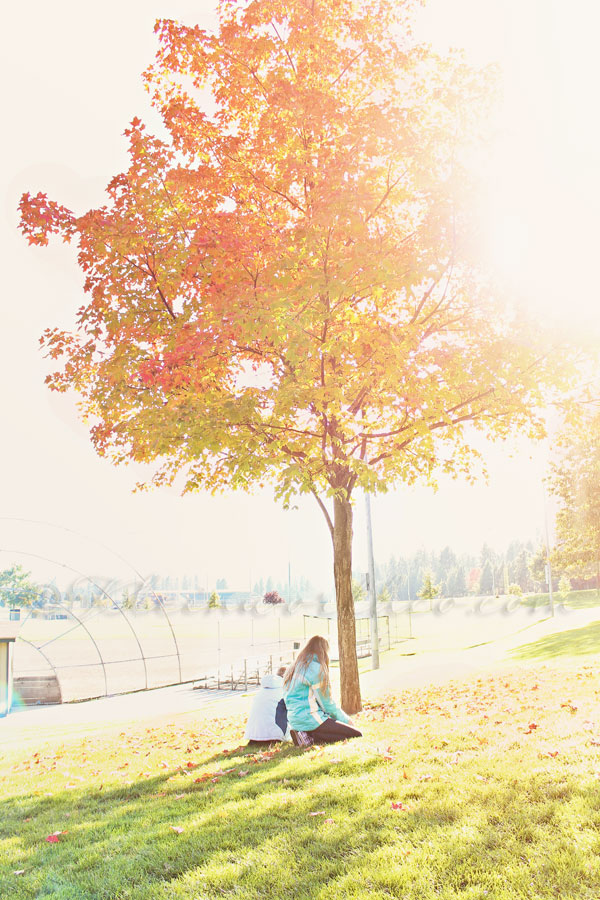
{"points": [[324, 510], [285, 49], [348, 66]]}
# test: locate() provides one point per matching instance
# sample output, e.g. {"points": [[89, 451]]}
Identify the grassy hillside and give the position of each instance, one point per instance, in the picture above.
{"points": [[483, 789]]}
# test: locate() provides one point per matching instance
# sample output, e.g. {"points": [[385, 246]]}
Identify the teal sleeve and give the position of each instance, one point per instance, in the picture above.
{"points": [[326, 702]]}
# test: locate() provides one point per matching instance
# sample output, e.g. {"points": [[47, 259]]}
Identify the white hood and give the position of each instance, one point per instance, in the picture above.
{"points": [[272, 681]]}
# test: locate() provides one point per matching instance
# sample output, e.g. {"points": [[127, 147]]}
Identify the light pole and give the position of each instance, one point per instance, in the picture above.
{"points": [[410, 634], [548, 563], [372, 592]]}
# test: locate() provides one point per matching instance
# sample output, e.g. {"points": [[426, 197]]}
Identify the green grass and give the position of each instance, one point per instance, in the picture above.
{"points": [[575, 642], [573, 600], [498, 781]]}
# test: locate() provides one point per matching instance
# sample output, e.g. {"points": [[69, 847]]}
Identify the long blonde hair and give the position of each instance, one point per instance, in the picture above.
{"points": [[315, 646]]}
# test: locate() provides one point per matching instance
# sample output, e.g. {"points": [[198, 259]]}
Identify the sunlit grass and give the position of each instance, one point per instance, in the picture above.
{"points": [[574, 642], [480, 789], [572, 600]]}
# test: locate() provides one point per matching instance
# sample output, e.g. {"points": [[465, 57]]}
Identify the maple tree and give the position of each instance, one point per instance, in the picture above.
{"points": [[575, 481], [16, 587], [283, 289]]}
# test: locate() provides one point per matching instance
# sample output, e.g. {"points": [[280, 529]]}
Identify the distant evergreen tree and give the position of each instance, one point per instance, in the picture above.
{"points": [[359, 593], [486, 579], [457, 582], [384, 595], [487, 555], [429, 590], [394, 577], [445, 565], [519, 570]]}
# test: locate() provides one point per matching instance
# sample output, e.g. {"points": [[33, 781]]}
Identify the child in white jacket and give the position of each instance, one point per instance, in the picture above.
{"points": [[267, 721]]}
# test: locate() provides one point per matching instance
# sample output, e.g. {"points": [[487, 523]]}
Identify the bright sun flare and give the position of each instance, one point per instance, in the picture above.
{"points": [[543, 202]]}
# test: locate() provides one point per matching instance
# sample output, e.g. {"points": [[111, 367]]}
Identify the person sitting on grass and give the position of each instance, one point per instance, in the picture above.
{"points": [[267, 721], [312, 713]]}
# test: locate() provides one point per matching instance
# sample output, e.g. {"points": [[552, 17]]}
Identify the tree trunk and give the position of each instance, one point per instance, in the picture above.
{"points": [[342, 570]]}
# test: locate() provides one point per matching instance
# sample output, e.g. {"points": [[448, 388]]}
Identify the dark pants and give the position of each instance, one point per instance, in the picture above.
{"points": [[330, 731]]}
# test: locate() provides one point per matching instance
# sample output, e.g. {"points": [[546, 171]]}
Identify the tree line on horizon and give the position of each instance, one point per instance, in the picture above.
{"points": [[461, 574], [400, 578]]}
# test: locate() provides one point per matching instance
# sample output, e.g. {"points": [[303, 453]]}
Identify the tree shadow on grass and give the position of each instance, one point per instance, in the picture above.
{"points": [[131, 840], [297, 825], [576, 642]]}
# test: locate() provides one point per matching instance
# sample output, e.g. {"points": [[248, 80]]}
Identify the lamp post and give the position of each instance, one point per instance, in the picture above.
{"points": [[372, 592], [548, 563]]}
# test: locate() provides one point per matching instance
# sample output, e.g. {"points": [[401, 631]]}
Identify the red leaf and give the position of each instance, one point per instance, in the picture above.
{"points": [[53, 838]]}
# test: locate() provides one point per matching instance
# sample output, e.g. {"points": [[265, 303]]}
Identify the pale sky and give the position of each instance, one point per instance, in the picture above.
{"points": [[71, 76]]}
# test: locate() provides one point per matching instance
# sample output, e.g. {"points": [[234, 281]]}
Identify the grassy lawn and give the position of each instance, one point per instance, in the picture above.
{"points": [[572, 600], [483, 789], [574, 642]]}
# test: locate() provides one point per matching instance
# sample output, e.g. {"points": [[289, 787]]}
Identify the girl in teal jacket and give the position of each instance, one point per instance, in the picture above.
{"points": [[313, 715]]}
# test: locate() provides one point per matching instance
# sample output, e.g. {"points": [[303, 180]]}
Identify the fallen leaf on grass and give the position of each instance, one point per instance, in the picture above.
{"points": [[53, 838], [396, 805], [320, 812], [19, 872], [176, 828], [328, 821]]}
